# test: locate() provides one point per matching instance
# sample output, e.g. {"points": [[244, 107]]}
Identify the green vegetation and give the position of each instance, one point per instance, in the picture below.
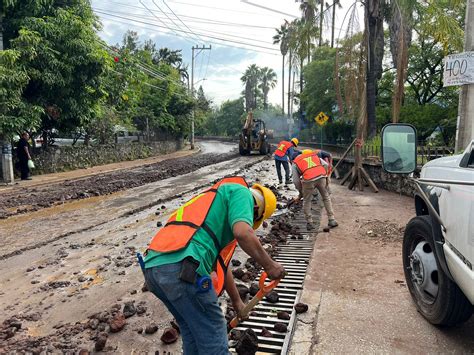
{"points": [[58, 76]]}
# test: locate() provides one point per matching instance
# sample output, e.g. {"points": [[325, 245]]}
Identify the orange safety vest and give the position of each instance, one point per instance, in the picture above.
{"points": [[283, 146], [310, 166], [187, 220]]}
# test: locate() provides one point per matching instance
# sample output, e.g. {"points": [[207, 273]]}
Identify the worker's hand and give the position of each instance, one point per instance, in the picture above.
{"points": [[238, 305], [275, 271]]}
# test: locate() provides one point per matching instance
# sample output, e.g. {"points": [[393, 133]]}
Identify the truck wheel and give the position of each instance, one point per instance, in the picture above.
{"points": [[243, 151], [437, 298], [263, 148]]}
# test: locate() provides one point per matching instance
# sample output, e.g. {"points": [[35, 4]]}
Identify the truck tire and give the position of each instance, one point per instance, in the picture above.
{"points": [[263, 148], [436, 297], [243, 151]]}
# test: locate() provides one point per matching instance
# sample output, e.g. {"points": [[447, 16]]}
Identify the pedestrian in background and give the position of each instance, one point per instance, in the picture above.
{"points": [[23, 154], [283, 156]]}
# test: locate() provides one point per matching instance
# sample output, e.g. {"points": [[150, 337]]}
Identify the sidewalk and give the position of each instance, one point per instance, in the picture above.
{"points": [[48, 179], [355, 286]]}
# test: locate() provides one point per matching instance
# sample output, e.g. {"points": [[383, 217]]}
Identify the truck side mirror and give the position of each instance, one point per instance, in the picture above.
{"points": [[399, 148]]}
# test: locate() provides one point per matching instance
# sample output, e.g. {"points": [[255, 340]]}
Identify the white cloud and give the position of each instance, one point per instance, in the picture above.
{"points": [[207, 16]]}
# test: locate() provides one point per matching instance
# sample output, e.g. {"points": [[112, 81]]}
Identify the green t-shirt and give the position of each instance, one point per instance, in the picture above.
{"points": [[233, 203]]}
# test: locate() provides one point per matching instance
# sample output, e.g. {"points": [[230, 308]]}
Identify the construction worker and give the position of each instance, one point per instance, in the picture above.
{"points": [[283, 155], [186, 264], [311, 172]]}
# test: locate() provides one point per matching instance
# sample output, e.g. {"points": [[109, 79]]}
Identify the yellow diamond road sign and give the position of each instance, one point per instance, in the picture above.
{"points": [[321, 118]]}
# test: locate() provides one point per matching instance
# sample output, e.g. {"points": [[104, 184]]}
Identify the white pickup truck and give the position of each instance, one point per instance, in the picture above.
{"points": [[438, 245]]}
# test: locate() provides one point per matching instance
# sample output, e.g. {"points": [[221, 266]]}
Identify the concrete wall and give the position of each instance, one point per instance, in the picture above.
{"points": [[58, 159], [383, 180]]}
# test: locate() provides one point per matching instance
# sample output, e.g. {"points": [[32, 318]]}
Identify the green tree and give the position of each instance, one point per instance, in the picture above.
{"points": [[267, 81], [227, 120], [60, 53], [281, 38], [251, 79]]}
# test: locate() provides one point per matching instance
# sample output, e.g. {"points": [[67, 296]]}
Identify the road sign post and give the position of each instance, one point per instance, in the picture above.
{"points": [[321, 119]]}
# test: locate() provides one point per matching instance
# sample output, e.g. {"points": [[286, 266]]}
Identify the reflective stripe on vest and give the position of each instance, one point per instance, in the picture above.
{"points": [[283, 147], [183, 224], [310, 166]]}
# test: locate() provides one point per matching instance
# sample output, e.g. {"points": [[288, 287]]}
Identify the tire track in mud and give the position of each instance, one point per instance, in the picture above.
{"points": [[125, 214], [34, 198]]}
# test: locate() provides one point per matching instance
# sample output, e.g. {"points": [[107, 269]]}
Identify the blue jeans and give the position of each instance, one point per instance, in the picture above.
{"points": [[199, 316]]}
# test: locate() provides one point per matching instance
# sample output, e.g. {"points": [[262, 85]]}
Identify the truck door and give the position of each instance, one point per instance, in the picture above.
{"points": [[457, 211]]}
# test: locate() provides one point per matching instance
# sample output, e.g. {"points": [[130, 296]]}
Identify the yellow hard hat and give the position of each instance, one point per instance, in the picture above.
{"points": [[295, 141], [306, 151], [266, 202]]}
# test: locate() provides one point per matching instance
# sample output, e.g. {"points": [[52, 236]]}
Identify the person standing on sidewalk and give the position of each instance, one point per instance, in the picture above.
{"points": [[283, 155], [310, 172], [186, 263], [23, 154]]}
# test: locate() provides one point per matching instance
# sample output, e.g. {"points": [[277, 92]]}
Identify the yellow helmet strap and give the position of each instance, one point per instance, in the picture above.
{"points": [[259, 201]]}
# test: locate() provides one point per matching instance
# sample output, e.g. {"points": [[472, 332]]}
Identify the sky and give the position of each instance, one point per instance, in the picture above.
{"points": [[239, 32]]}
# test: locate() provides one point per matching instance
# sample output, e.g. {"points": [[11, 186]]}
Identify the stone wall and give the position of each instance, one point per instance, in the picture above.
{"points": [[67, 158], [390, 182]]}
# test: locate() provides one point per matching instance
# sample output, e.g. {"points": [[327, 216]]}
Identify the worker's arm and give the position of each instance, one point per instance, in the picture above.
{"points": [[27, 151], [249, 242], [297, 180], [232, 291]]}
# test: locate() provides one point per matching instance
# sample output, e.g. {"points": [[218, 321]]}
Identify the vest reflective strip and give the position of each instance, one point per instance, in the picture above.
{"points": [[283, 146], [313, 168]]}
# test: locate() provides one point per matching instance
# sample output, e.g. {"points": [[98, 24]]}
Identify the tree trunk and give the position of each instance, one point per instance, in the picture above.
{"points": [[337, 85], [321, 23], [301, 108], [333, 22], [289, 83], [283, 86], [374, 22]]}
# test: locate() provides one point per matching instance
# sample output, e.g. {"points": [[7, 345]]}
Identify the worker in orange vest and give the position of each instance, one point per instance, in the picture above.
{"points": [[186, 263], [311, 172], [283, 155]]}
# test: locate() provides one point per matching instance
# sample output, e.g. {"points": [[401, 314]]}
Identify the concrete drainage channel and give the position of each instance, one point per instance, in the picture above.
{"points": [[294, 255]]}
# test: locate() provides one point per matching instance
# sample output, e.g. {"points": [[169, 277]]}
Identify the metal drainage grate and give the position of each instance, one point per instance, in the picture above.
{"points": [[294, 255]]}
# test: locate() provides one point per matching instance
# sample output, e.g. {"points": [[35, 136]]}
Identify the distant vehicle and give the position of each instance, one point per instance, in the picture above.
{"points": [[438, 245], [254, 137]]}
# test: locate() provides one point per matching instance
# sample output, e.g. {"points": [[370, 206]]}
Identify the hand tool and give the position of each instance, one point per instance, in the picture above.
{"points": [[264, 289]]}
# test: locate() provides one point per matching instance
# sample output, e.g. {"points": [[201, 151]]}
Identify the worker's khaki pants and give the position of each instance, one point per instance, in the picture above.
{"points": [[308, 189]]}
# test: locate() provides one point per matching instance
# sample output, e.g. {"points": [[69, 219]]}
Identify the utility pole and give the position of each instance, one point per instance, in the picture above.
{"points": [[6, 160], [199, 49], [465, 124]]}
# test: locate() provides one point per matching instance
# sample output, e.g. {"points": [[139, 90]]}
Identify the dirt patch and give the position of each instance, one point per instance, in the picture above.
{"points": [[35, 198], [384, 231]]}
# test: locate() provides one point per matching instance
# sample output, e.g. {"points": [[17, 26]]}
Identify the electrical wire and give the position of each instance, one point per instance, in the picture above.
{"points": [[164, 2], [198, 19], [268, 8], [169, 18], [213, 37], [166, 26], [207, 31]]}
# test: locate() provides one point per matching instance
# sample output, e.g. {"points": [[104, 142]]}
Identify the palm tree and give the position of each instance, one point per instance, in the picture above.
{"points": [[335, 3], [251, 78], [282, 38], [267, 81], [173, 58]]}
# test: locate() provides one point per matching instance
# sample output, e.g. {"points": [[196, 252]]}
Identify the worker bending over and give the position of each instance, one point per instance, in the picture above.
{"points": [[186, 264], [283, 155], [311, 172]]}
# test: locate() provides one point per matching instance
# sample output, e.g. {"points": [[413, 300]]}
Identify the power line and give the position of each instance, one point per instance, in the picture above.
{"points": [[199, 19], [204, 35], [268, 8], [151, 12], [215, 8], [164, 2], [169, 18], [206, 31]]}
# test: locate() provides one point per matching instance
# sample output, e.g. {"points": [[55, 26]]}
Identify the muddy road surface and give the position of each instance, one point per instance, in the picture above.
{"points": [[66, 263], [70, 280], [30, 199]]}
